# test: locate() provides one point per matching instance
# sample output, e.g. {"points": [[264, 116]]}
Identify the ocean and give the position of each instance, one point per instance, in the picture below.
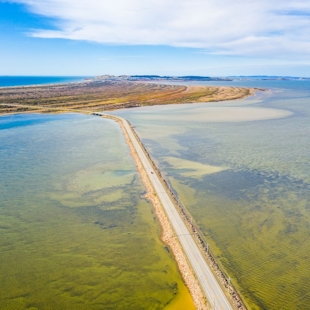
{"points": [[8, 81]]}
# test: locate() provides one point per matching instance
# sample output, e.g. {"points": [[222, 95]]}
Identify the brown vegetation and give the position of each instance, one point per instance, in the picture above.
{"points": [[108, 95]]}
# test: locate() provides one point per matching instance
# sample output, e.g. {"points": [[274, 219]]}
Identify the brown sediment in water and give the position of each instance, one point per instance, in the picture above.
{"points": [[168, 235]]}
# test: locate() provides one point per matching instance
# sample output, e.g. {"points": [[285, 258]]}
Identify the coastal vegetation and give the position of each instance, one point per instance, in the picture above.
{"points": [[109, 95]]}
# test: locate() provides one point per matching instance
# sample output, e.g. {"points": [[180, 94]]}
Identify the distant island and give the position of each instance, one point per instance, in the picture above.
{"points": [[188, 78], [159, 78], [268, 78]]}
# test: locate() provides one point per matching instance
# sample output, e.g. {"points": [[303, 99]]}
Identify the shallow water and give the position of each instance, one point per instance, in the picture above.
{"points": [[75, 231], [255, 210]]}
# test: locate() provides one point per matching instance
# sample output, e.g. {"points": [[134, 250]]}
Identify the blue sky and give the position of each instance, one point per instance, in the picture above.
{"points": [[165, 37]]}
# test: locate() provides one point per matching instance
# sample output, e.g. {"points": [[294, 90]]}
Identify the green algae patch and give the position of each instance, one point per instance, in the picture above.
{"points": [[182, 301], [76, 232]]}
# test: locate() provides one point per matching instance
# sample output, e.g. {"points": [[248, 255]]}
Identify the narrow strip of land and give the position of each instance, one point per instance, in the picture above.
{"points": [[210, 286], [109, 95]]}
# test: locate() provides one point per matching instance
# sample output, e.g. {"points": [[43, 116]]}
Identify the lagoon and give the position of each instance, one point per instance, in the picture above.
{"points": [[242, 169], [75, 229]]}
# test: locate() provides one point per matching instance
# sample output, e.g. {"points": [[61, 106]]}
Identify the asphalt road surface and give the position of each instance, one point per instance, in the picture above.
{"points": [[210, 286]]}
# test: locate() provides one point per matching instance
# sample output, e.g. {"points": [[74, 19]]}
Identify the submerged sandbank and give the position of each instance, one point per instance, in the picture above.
{"points": [[205, 113]]}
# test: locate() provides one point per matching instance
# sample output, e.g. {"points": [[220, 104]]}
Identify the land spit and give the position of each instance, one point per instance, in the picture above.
{"points": [[109, 95]]}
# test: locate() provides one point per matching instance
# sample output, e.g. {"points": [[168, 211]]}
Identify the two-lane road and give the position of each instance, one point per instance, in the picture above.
{"points": [[207, 280]]}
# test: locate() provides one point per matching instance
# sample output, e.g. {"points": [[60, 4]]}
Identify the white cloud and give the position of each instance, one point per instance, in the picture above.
{"points": [[237, 27]]}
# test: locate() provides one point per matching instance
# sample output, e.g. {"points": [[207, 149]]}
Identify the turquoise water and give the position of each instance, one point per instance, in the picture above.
{"points": [[246, 183], [269, 84], [75, 230], [6, 81]]}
